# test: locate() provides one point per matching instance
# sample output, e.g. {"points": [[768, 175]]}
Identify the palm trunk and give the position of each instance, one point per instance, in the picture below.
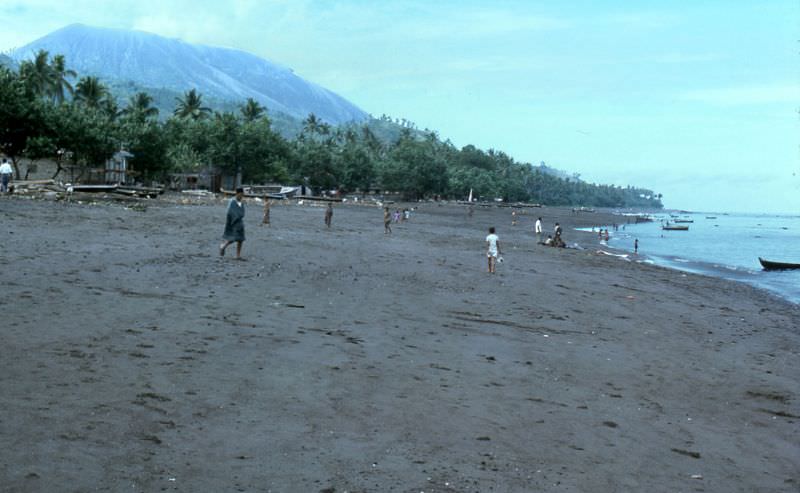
{"points": [[17, 174]]}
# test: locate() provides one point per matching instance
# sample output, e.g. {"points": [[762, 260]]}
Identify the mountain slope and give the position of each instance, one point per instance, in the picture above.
{"points": [[8, 62], [150, 60]]}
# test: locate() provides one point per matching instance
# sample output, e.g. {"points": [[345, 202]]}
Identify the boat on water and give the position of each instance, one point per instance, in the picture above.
{"points": [[770, 265], [683, 221], [674, 227], [711, 217]]}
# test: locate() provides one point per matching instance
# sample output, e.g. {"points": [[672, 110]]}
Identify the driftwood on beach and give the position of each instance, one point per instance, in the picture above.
{"points": [[516, 205], [278, 196]]}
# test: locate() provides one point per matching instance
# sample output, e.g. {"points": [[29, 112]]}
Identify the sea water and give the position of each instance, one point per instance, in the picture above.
{"points": [[723, 245]]}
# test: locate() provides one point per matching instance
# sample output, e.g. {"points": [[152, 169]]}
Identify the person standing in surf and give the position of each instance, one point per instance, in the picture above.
{"points": [[234, 224], [492, 249]]}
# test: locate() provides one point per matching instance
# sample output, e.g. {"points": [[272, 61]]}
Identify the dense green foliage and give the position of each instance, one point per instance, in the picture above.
{"points": [[42, 115]]}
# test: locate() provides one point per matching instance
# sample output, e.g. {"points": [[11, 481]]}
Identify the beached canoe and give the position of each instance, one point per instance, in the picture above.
{"points": [[770, 265]]}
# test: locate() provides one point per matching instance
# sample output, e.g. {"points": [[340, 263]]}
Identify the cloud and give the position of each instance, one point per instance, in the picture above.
{"points": [[426, 21], [480, 23], [679, 58], [785, 93], [641, 20]]}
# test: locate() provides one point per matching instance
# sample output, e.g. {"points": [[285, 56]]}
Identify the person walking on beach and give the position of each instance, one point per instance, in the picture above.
{"points": [[387, 221], [557, 230], [492, 249], [636, 246], [5, 175], [267, 205], [234, 224], [329, 215], [538, 230]]}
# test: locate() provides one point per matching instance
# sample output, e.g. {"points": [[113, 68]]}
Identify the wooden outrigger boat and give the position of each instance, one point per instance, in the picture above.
{"points": [[770, 265], [674, 227]]}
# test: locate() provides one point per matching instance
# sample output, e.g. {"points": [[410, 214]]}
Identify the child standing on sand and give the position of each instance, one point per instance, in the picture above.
{"points": [[267, 205], [387, 221], [538, 230], [492, 249], [329, 215]]}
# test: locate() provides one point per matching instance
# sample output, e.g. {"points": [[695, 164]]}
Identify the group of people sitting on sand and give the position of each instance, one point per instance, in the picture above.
{"points": [[554, 240]]}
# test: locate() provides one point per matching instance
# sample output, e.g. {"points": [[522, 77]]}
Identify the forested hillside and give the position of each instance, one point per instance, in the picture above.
{"points": [[43, 115]]}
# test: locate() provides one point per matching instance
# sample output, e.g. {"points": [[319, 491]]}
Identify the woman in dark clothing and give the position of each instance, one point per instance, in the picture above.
{"points": [[234, 224]]}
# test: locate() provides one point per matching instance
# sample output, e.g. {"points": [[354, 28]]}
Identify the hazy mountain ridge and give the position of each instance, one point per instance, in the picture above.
{"points": [[149, 60], [7, 61], [133, 61]]}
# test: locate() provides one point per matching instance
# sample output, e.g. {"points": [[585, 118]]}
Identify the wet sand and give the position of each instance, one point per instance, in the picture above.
{"points": [[134, 358]]}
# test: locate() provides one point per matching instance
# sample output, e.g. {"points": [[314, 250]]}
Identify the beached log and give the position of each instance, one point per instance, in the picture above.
{"points": [[142, 191], [319, 199], [26, 183], [273, 196]]}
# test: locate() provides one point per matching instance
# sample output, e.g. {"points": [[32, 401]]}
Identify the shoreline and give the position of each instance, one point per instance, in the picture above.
{"points": [[715, 269], [343, 359]]}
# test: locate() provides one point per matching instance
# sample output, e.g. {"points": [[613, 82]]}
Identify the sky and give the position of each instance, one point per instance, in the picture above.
{"points": [[697, 100]]}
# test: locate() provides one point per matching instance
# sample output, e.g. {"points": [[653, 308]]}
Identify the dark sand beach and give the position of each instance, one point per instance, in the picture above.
{"points": [[135, 359]]}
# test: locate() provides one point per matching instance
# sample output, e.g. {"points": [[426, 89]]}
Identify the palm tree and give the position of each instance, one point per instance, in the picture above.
{"points": [[139, 105], [191, 106], [90, 91], [38, 74], [252, 110], [311, 124], [110, 107], [59, 74], [314, 125]]}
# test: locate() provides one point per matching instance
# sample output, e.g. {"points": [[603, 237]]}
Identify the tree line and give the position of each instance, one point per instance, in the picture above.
{"points": [[43, 116]]}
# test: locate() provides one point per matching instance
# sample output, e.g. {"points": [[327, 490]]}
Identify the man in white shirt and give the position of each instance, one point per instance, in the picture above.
{"points": [[492, 249], [538, 230], [5, 175]]}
